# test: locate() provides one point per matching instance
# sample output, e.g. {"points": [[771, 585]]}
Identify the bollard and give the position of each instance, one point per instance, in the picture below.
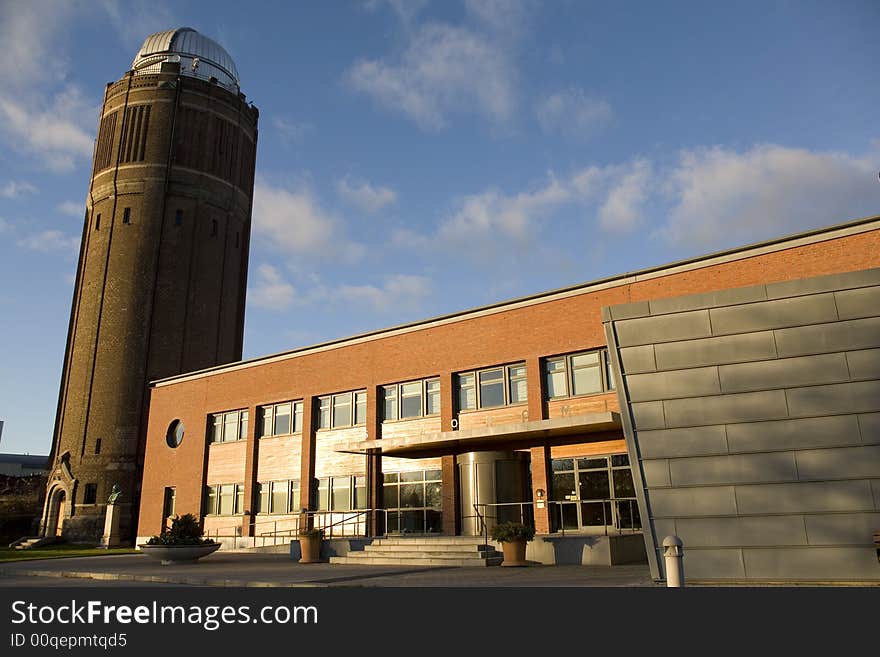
{"points": [[674, 555]]}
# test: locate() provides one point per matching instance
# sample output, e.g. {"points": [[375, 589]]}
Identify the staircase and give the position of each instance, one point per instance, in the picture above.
{"points": [[28, 542], [424, 551]]}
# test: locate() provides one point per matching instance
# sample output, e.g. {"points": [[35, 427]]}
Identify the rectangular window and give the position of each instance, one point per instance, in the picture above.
{"points": [[211, 503], [280, 490], [324, 494], [227, 427], [346, 409], [341, 494], [294, 495], [178, 218], [584, 373], [98, 222], [276, 419], [90, 495], [467, 393], [342, 410], [213, 228], [281, 426], [227, 500], [239, 499], [360, 407], [97, 445], [412, 399], [492, 387], [360, 492], [325, 412], [390, 396], [263, 496], [126, 216], [168, 504]]}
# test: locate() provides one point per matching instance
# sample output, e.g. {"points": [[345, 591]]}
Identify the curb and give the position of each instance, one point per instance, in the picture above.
{"points": [[159, 579]]}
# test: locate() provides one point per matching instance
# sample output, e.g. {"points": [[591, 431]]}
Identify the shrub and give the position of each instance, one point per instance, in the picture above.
{"points": [[184, 530], [512, 531]]}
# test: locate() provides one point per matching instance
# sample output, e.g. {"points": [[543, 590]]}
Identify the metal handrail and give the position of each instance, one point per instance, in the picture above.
{"points": [[484, 515], [350, 516]]}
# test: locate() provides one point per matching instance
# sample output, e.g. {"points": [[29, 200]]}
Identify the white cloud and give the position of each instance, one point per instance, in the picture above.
{"points": [[444, 70], [27, 31], [720, 194], [17, 188], [72, 208], [573, 113], [271, 290], [295, 222], [492, 214], [365, 196], [507, 16], [292, 131], [398, 291], [5, 226], [50, 241], [406, 10], [622, 209], [54, 133]]}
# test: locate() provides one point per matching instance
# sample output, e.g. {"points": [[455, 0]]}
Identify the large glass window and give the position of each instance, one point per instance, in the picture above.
{"points": [[412, 399], [228, 427], [492, 387], [413, 501], [594, 492], [281, 419], [584, 373], [342, 493], [346, 409], [225, 499]]}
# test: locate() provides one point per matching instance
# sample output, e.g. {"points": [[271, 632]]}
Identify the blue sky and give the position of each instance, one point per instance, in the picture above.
{"points": [[417, 158]]}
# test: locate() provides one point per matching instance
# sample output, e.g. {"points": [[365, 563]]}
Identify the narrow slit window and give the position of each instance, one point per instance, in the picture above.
{"points": [[178, 218], [126, 216]]}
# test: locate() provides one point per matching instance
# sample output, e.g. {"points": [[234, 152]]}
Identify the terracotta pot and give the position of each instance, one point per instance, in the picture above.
{"points": [[169, 554], [514, 553], [310, 549]]}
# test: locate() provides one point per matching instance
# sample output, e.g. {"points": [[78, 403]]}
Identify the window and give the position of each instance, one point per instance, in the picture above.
{"points": [[584, 373], [345, 493], [345, 409], [413, 501], [90, 494], [97, 445], [178, 218], [404, 401], [492, 387], [98, 221], [281, 419], [213, 227], [174, 434], [228, 427], [126, 215], [225, 499], [168, 504]]}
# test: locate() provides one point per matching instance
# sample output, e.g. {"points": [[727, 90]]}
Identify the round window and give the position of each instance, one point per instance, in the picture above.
{"points": [[175, 433]]}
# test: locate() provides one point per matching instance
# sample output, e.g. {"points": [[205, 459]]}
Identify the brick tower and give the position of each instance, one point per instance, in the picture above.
{"points": [[160, 286]]}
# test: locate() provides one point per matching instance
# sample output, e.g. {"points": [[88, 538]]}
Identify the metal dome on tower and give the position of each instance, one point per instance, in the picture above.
{"points": [[199, 56]]}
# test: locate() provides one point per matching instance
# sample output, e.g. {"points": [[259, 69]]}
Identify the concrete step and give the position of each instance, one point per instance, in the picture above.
{"points": [[351, 559], [431, 540], [29, 542], [433, 547], [419, 554]]}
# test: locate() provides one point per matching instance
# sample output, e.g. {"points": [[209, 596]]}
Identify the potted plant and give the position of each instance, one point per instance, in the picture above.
{"points": [[310, 541], [513, 537], [181, 542]]}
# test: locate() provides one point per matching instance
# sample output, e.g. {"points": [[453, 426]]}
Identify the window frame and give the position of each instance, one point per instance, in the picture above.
{"points": [[213, 497], [218, 419], [477, 385], [270, 411], [603, 364], [397, 397], [327, 408]]}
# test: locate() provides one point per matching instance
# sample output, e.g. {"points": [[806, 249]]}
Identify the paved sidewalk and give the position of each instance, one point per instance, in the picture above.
{"points": [[278, 570]]}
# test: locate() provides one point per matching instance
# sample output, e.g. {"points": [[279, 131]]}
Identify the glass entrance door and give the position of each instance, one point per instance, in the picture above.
{"points": [[594, 493]]}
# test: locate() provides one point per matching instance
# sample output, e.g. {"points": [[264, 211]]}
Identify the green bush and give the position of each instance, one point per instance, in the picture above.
{"points": [[184, 530], [512, 531]]}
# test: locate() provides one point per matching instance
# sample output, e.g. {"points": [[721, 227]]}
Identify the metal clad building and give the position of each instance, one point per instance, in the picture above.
{"points": [[754, 414]]}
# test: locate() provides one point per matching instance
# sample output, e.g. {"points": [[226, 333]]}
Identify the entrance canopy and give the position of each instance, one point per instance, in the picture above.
{"points": [[518, 435]]}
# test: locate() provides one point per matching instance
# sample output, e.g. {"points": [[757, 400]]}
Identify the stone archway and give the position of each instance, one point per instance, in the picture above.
{"points": [[54, 522]]}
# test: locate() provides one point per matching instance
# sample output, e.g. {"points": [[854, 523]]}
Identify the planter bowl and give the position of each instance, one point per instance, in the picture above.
{"points": [[310, 549], [514, 553], [169, 554]]}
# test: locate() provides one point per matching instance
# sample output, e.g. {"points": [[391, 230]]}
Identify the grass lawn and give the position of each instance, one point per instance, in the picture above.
{"points": [[58, 551]]}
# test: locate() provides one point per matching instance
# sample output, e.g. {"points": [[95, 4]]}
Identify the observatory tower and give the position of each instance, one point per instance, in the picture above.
{"points": [[160, 286]]}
